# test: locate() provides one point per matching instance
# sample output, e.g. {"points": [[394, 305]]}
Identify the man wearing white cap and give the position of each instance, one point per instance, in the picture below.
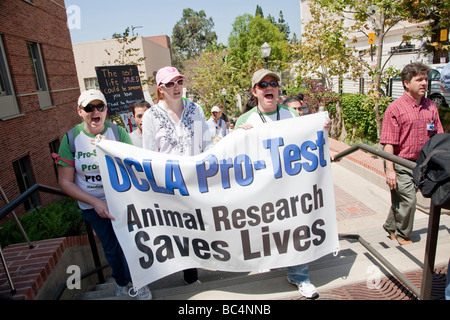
{"points": [[216, 124], [79, 177]]}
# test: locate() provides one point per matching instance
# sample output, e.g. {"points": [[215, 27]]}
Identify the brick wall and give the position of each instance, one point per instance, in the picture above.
{"points": [[30, 268], [43, 22]]}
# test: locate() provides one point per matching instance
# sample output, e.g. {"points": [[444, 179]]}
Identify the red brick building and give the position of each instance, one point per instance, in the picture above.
{"points": [[38, 94]]}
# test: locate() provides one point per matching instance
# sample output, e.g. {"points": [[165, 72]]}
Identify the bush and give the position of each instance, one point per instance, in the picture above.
{"points": [[59, 219], [359, 116]]}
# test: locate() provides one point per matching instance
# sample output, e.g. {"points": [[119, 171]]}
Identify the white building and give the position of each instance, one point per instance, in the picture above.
{"points": [[88, 55]]}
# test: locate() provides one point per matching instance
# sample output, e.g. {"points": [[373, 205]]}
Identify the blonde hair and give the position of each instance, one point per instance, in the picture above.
{"points": [[159, 95]]}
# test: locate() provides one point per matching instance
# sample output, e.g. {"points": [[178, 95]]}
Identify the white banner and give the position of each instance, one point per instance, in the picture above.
{"points": [[259, 199]]}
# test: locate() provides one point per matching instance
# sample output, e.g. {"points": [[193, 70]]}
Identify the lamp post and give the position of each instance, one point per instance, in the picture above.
{"points": [[265, 50], [224, 94]]}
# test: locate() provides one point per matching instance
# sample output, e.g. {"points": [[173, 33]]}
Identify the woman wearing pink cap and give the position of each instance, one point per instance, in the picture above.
{"points": [[175, 126]]}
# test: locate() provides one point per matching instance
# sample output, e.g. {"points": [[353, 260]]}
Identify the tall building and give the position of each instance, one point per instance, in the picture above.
{"points": [[38, 95]]}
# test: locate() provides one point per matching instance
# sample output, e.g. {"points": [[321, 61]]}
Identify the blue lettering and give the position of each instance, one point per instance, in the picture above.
{"points": [[174, 178], [114, 177], [273, 145], [309, 156], [147, 165], [239, 176], [291, 153], [203, 173], [129, 162]]}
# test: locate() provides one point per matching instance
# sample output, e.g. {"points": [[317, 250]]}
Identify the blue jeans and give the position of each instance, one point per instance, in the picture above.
{"points": [[111, 247], [298, 274]]}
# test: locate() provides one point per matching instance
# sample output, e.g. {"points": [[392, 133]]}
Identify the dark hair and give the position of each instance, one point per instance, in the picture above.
{"points": [[413, 69], [140, 104], [291, 99]]}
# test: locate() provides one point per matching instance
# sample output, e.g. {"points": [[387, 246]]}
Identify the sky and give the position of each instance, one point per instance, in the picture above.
{"points": [[95, 20]]}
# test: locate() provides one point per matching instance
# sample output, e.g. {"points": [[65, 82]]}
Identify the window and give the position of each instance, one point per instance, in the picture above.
{"points": [[91, 83], [40, 80], [25, 180], [36, 65], [8, 102]]}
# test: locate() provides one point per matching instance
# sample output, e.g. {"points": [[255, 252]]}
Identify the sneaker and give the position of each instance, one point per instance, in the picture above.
{"points": [[307, 289], [143, 293], [121, 291]]}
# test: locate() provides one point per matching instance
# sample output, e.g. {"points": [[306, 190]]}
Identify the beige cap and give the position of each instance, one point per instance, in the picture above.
{"points": [[260, 74], [90, 95]]}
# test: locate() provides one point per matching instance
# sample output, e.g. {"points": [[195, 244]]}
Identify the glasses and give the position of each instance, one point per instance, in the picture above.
{"points": [[90, 107], [171, 84], [263, 85]]}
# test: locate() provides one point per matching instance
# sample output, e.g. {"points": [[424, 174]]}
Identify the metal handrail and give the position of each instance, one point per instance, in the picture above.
{"points": [[21, 199], [433, 229]]}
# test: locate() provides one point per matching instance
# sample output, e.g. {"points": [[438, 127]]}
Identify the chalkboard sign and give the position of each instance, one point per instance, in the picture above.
{"points": [[121, 86]]}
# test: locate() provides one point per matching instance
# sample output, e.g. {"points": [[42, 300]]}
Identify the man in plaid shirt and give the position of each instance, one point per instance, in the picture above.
{"points": [[407, 124]]}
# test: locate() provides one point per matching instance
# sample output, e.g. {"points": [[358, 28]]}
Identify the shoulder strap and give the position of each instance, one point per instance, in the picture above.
{"points": [[115, 129], [70, 140]]}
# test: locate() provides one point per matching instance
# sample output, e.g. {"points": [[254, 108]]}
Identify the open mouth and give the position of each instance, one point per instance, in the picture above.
{"points": [[269, 96], [96, 120]]}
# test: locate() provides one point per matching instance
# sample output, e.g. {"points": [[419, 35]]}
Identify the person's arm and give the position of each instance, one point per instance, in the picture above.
{"points": [[66, 177], [391, 176]]}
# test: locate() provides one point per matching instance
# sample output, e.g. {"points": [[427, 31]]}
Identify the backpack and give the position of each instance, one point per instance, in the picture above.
{"points": [[71, 137], [432, 172]]}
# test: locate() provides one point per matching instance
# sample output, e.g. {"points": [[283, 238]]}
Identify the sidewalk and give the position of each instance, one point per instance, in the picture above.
{"points": [[362, 203]]}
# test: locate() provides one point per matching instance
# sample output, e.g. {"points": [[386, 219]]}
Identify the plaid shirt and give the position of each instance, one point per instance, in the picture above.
{"points": [[405, 125]]}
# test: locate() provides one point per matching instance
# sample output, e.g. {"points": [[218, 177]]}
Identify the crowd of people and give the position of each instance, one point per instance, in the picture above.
{"points": [[168, 127]]}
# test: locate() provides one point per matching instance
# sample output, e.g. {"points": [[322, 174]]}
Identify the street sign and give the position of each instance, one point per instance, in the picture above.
{"points": [[372, 38]]}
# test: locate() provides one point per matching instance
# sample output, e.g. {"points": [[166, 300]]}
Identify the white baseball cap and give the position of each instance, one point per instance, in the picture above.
{"points": [[90, 95]]}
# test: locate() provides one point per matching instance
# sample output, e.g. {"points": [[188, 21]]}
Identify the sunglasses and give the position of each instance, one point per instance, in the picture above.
{"points": [[263, 85], [171, 84], [90, 107]]}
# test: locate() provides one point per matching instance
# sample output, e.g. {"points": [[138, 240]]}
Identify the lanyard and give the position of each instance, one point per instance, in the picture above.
{"points": [[264, 119]]}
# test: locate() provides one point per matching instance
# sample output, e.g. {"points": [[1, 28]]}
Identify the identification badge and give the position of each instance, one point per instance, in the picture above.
{"points": [[430, 126]]}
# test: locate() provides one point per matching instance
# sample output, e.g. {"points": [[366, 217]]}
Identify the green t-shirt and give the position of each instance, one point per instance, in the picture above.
{"points": [[88, 176], [254, 117]]}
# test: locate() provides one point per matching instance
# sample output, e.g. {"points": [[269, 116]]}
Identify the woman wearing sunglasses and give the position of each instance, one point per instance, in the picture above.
{"points": [[79, 177], [175, 126], [265, 95]]}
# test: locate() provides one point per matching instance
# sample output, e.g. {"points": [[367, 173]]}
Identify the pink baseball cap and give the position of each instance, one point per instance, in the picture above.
{"points": [[166, 74]]}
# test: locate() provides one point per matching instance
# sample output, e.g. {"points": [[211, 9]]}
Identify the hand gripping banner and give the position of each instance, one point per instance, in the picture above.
{"points": [[259, 199]]}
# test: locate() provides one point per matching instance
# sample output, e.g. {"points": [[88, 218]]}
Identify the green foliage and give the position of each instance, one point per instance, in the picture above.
{"points": [[245, 41], [59, 219], [359, 116], [191, 35]]}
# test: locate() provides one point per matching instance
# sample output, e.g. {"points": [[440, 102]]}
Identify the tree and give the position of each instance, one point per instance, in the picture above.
{"points": [[191, 35], [281, 24], [437, 12], [245, 41], [379, 16], [259, 11], [323, 54], [210, 72]]}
